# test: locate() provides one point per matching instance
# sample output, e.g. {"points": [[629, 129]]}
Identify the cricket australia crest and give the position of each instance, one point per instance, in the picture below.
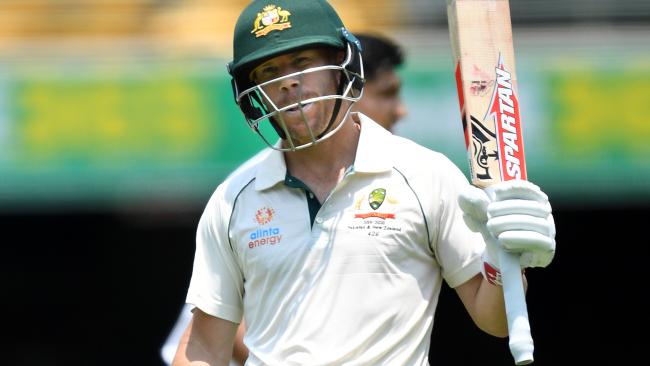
{"points": [[271, 18], [376, 198]]}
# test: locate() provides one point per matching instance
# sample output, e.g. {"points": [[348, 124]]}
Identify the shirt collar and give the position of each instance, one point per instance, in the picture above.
{"points": [[374, 155], [374, 152], [271, 170]]}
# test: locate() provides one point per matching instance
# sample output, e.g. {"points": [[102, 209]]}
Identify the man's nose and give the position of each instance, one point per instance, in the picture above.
{"points": [[288, 83], [400, 110]]}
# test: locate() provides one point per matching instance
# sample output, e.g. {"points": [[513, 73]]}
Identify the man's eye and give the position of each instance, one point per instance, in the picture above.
{"points": [[302, 61], [268, 71], [390, 92]]}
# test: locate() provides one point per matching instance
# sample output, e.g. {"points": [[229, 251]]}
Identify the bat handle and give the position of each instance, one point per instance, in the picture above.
{"points": [[520, 340]]}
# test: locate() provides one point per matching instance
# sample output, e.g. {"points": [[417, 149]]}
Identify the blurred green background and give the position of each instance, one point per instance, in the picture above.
{"points": [[113, 103]]}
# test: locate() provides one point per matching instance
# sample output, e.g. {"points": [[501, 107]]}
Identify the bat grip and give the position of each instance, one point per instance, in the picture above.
{"points": [[521, 341]]}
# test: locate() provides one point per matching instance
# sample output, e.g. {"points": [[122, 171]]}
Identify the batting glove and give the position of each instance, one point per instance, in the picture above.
{"points": [[514, 216]]}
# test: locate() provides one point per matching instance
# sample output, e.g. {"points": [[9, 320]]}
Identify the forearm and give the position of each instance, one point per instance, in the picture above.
{"points": [[193, 353], [240, 351], [489, 308], [207, 341]]}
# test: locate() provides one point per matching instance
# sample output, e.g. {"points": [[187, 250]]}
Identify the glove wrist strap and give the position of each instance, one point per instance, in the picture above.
{"points": [[491, 274]]}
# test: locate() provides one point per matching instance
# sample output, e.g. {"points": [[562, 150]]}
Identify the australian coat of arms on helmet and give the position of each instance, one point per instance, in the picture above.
{"points": [[271, 18]]}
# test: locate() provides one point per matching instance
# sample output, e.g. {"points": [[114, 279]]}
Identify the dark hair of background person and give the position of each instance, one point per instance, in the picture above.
{"points": [[379, 52]]}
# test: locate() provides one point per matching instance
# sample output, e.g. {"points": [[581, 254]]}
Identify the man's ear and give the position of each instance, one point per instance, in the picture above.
{"points": [[340, 56]]}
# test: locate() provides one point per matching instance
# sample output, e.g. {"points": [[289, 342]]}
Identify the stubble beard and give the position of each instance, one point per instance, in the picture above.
{"points": [[316, 115]]}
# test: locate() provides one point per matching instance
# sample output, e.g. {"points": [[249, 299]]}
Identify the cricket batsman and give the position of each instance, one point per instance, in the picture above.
{"points": [[334, 240]]}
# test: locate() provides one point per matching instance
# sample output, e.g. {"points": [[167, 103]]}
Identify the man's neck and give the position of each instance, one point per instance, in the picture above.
{"points": [[323, 165]]}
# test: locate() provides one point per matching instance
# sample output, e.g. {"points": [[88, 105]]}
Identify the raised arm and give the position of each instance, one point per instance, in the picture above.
{"points": [[514, 217], [484, 303]]}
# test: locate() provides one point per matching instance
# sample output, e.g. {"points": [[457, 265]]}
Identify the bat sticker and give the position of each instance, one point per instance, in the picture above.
{"points": [[504, 111], [481, 87], [481, 135]]}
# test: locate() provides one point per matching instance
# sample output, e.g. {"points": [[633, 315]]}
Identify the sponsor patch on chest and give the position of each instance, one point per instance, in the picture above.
{"points": [[264, 235], [375, 212]]}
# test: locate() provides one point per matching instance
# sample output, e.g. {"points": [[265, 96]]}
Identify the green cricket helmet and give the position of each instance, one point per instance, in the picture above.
{"points": [[270, 28]]}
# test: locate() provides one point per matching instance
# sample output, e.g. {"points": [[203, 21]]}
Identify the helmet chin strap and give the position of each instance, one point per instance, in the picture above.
{"points": [[335, 112], [277, 128]]}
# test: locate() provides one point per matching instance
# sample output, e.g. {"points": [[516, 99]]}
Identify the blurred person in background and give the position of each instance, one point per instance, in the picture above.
{"points": [[295, 239], [381, 101]]}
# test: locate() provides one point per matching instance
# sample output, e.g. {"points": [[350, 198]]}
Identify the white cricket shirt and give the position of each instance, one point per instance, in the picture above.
{"points": [[360, 286]]}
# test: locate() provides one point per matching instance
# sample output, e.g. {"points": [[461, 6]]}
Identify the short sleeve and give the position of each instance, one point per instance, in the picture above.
{"points": [[457, 248], [216, 286]]}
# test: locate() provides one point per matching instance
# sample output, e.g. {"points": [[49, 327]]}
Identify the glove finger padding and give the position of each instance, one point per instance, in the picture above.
{"points": [[518, 214], [545, 246], [518, 206], [517, 189], [522, 241], [520, 217], [536, 259], [498, 225]]}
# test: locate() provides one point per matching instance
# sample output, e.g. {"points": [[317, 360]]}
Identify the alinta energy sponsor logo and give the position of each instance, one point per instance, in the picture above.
{"points": [[264, 235], [264, 215]]}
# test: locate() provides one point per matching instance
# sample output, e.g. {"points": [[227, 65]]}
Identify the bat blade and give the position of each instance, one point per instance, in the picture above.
{"points": [[481, 39]]}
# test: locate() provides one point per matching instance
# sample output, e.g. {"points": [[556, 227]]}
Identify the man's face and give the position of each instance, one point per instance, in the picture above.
{"points": [[381, 99], [312, 116]]}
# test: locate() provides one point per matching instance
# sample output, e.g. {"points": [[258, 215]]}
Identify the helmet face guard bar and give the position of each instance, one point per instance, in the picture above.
{"points": [[257, 106]]}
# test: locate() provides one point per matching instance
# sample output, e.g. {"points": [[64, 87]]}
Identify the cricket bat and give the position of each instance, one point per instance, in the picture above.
{"points": [[481, 39]]}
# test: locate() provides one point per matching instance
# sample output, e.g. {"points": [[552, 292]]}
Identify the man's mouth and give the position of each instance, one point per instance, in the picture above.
{"points": [[297, 108]]}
